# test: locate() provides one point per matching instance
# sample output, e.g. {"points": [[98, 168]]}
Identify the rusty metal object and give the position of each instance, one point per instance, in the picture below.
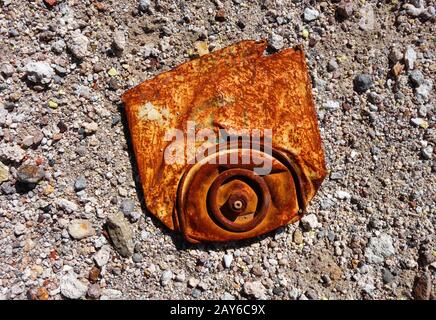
{"points": [[235, 88]]}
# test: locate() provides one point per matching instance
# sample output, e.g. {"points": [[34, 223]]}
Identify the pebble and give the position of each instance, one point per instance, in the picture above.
{"points": [[111, 294], [409, 58], [419, 122], [298, 236], [395, 55], [4, 173], [276, 41], [144, 5], [367, 20], [309, 222], [331, 105], [362, 83], [19, 229], [137, 257], [345, 9], [427, 152], [78, 45], [416, 78], [193, 282], [72, 288], [7, 70], [119, 40], [66, 205], [121, 234], [228, 259], [310, 14], [102, 256], [30, 173], [10, 153], [255, 289], [422, 93], [90, 127], [388, 277], [80, 184], [39, 72], [227, 296], [80, 229], [332, 65], [127, 206], [342, 195], [379, 248], [166, 277], [94, 291], [422, 286]]}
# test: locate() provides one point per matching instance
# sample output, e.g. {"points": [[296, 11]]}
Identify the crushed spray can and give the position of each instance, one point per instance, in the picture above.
{"points": [[227, 145]]}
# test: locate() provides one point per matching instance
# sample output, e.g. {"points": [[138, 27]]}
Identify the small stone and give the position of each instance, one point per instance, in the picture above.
{"points": [[310, 14], [94, 291], [419, 122], [119, 40], [255, 289], [342, 195], [166, 277], [202, 48], [102, 257], [331, 105], [416, 78], [409, 58], [180, 277], [193, 283], [395, 55], [80, 184], [227, 296], [19, 229], [127, 206], [345, 9], [111, 294], [309, 222], [427, 152], [30, 173], [367, 20], [137, 257], [388, 277], [58, 46], [52, 104], [78, 45], [66, 205], [112, 72], [80, 229], [332, 65], [220, 15], [7, 70], [121, 234], [298, 236], [379, 248], [228, 259], [144, 5], [362, 83], [4, 173], [10, 153], [39, 72], [305, 33], [72, 288], [90, 127], [94, 274], [422, 286], [422, 93], [276, 41]]}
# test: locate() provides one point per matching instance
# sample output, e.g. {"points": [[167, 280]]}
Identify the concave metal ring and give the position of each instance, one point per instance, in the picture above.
{"points": [[256, 182]]}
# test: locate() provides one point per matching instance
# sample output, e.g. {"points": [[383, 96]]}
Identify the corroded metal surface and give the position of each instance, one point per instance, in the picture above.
{"points": [[235, 88]]}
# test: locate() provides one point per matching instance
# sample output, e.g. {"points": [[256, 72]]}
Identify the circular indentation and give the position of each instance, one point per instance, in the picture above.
{"points": [[227, 214]]}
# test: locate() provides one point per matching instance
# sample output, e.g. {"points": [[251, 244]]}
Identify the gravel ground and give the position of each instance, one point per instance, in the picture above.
{"points": [[66, 167]]}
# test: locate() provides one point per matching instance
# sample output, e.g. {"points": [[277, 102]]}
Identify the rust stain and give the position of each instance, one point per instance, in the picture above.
{"points": [[234, 88]]}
